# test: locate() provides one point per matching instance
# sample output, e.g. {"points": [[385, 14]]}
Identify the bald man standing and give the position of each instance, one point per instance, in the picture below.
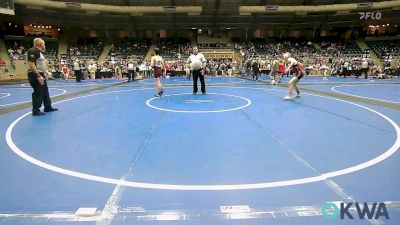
{"points": [[197, 62], [37, 78]]}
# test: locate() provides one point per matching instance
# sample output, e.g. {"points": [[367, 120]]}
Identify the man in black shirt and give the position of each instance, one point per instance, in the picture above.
{"points": [[37, 78], [256, 69], [248, 67]]}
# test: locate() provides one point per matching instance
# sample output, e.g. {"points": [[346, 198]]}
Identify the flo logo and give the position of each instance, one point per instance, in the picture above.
{"points": [[370, 15], [375, 211]]}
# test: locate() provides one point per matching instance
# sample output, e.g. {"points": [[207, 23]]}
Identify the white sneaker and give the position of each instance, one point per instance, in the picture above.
{"points": [[298, 95], [288, 97]]}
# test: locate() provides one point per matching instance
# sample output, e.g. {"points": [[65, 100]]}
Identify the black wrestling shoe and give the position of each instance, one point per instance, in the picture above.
{"points": [[194, 93], [51, 110], [159, 94], [38, 113], [204, 93]]}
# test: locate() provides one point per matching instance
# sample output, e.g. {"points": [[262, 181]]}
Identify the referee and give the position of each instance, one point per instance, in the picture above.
{"points": [[197, 62], [37, 78]]}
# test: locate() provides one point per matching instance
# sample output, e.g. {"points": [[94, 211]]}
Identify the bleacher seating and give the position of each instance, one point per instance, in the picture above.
{"points": [[214, 46], [352, 49], [383, 49], [130, 49], [17, 49], [84, 51], [174, 49], [303, 50]]}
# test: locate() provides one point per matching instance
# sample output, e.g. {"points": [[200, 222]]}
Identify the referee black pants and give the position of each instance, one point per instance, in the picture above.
{"points": [[131, 75], [255, 74], [197, 74], [78, 75], [40, 93]]}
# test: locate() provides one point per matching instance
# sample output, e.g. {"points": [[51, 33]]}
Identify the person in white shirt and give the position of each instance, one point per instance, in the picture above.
{"points": [[78, 72], [308, 70], [345, 69], [268, 67], [131, 71], [142, 68], [274, 72], [324, 70], [118, 71], [364, 68], [92, 70], [187, 71], [158, 65], [65, 71], [197, 62]]}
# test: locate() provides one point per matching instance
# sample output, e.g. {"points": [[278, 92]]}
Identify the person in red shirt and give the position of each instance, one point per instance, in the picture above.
{"points": [[281, 67], [2, 65], [167, 67]]}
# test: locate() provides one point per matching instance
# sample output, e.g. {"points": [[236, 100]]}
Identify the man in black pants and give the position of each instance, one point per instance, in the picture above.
{"points": [[131, 71], [256, 69], [248, 67], [197, 63], [37, 78], [78, 71]]}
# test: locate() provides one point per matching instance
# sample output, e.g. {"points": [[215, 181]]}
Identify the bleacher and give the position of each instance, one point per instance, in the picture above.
{"points": [[174, 49], [214, 46], [130, 49], [384, 49], [18, 46], [87, 51], [303, 50], [351, 49]]}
